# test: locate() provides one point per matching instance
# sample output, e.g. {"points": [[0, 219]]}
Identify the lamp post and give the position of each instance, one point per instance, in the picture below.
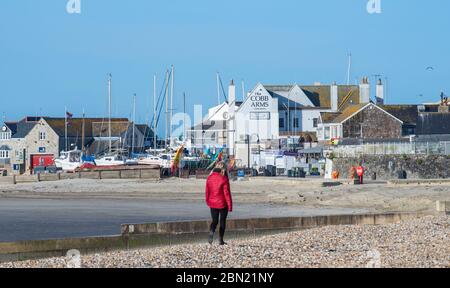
{"points": [[259, 151], [248, 150], [203, 139], [259, 147]]}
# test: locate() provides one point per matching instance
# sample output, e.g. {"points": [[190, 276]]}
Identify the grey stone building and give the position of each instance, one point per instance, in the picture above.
{"points": [[37, 141], [368, 122]]}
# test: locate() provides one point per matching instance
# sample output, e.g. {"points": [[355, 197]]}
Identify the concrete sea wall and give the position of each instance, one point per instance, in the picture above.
{"points": [[168, 233], [105, 174], [388, 167]]}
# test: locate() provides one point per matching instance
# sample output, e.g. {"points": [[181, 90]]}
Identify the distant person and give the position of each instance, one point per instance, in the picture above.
{"points": [[218, 198]]}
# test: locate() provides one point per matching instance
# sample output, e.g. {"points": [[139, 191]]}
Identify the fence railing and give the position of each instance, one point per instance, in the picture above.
{"points": [[413, 148]]}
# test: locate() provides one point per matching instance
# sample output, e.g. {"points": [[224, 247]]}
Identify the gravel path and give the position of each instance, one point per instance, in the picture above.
{"points": [[423, 242]]}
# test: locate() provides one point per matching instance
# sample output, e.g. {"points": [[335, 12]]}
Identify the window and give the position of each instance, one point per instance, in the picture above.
{"points": [[5, 135], [42, 136], [320, 133], [315, 122], [408, 130], [296, 123], [4, 154], [281, 122], [327, 133]]}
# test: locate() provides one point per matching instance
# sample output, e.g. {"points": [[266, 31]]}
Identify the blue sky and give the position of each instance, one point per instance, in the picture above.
{"points": [[50, 59]]}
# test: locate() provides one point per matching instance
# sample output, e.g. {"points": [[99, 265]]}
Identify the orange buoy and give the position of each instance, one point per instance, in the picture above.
{"points": [[335, 175]]}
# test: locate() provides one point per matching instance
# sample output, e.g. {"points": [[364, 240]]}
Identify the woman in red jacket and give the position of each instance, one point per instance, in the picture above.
{"points": [[218, 198]]}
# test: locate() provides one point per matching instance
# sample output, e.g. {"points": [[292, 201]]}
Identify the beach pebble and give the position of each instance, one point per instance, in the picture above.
{"points": [[423, 242]]}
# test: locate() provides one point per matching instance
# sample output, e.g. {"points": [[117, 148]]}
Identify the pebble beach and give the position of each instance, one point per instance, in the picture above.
{"points": [[421, 243]]}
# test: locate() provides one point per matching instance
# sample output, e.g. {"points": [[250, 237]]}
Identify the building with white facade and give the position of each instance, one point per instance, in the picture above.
{"points": [[273, 113]]}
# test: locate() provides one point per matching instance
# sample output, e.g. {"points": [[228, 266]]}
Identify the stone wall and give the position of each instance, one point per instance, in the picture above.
{"points": [[373, 123], [387, 167]]}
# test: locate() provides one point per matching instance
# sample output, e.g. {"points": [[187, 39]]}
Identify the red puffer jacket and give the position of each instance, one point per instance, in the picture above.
{"points": [[218, 194]]}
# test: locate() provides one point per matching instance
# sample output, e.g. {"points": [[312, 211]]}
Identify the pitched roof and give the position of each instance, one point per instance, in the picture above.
{"points": [[118, 128], [348, 95], [12, 126], [407, 113], [328, 117], [337, 118], [5, 148], [320, 95], [75, 125], [348, 112], [433, 124], [145, 130], [22, 128]]}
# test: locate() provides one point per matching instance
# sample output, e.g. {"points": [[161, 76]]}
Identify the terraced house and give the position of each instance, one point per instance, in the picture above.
{"points": [[37, 141]]}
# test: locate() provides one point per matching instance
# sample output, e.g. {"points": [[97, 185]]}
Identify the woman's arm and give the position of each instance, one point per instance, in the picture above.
{"points": [[207, 192], [227, 193]]}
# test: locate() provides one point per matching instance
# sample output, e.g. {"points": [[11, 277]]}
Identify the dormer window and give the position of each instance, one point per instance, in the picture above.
{"points": [[5, 134]]}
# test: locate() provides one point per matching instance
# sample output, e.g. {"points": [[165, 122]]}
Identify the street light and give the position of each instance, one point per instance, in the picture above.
{"points": [[203, 139], [248, 150]]}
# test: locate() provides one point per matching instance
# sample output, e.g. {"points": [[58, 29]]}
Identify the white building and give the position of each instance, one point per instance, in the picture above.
{"points": [[273, 112]]}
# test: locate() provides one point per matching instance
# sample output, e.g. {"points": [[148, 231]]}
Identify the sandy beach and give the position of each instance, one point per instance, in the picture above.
{"points": [[375, 196]]}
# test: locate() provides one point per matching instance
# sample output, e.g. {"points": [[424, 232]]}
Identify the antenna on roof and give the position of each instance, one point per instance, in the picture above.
{"points": [[218, 88], [349, 68]]}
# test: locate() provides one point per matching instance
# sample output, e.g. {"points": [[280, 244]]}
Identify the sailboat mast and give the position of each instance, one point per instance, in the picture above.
{"points": [[65, 128], [171, 103], [184, 116], [83, 133], [109, 113], [155, 125], [134, 123], [167, 107]]}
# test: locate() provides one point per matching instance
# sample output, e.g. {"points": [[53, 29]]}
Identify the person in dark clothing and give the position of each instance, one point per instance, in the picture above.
{"points": [[218, 199], [218, 215]]}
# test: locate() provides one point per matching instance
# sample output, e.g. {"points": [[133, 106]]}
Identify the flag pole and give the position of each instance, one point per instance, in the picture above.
{"points": [[65, 128]]}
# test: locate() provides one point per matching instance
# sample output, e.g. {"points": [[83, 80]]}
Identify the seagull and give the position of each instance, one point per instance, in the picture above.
{"points": [[429, 68]]}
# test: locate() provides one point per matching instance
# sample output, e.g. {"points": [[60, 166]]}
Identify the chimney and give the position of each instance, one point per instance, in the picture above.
{"points": [[380, 93], [444, 107], [334, 97], [231, 93], [364, 91]]}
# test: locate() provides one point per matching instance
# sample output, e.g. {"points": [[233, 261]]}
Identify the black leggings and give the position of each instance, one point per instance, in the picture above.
{"points": [[215, 213]]}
